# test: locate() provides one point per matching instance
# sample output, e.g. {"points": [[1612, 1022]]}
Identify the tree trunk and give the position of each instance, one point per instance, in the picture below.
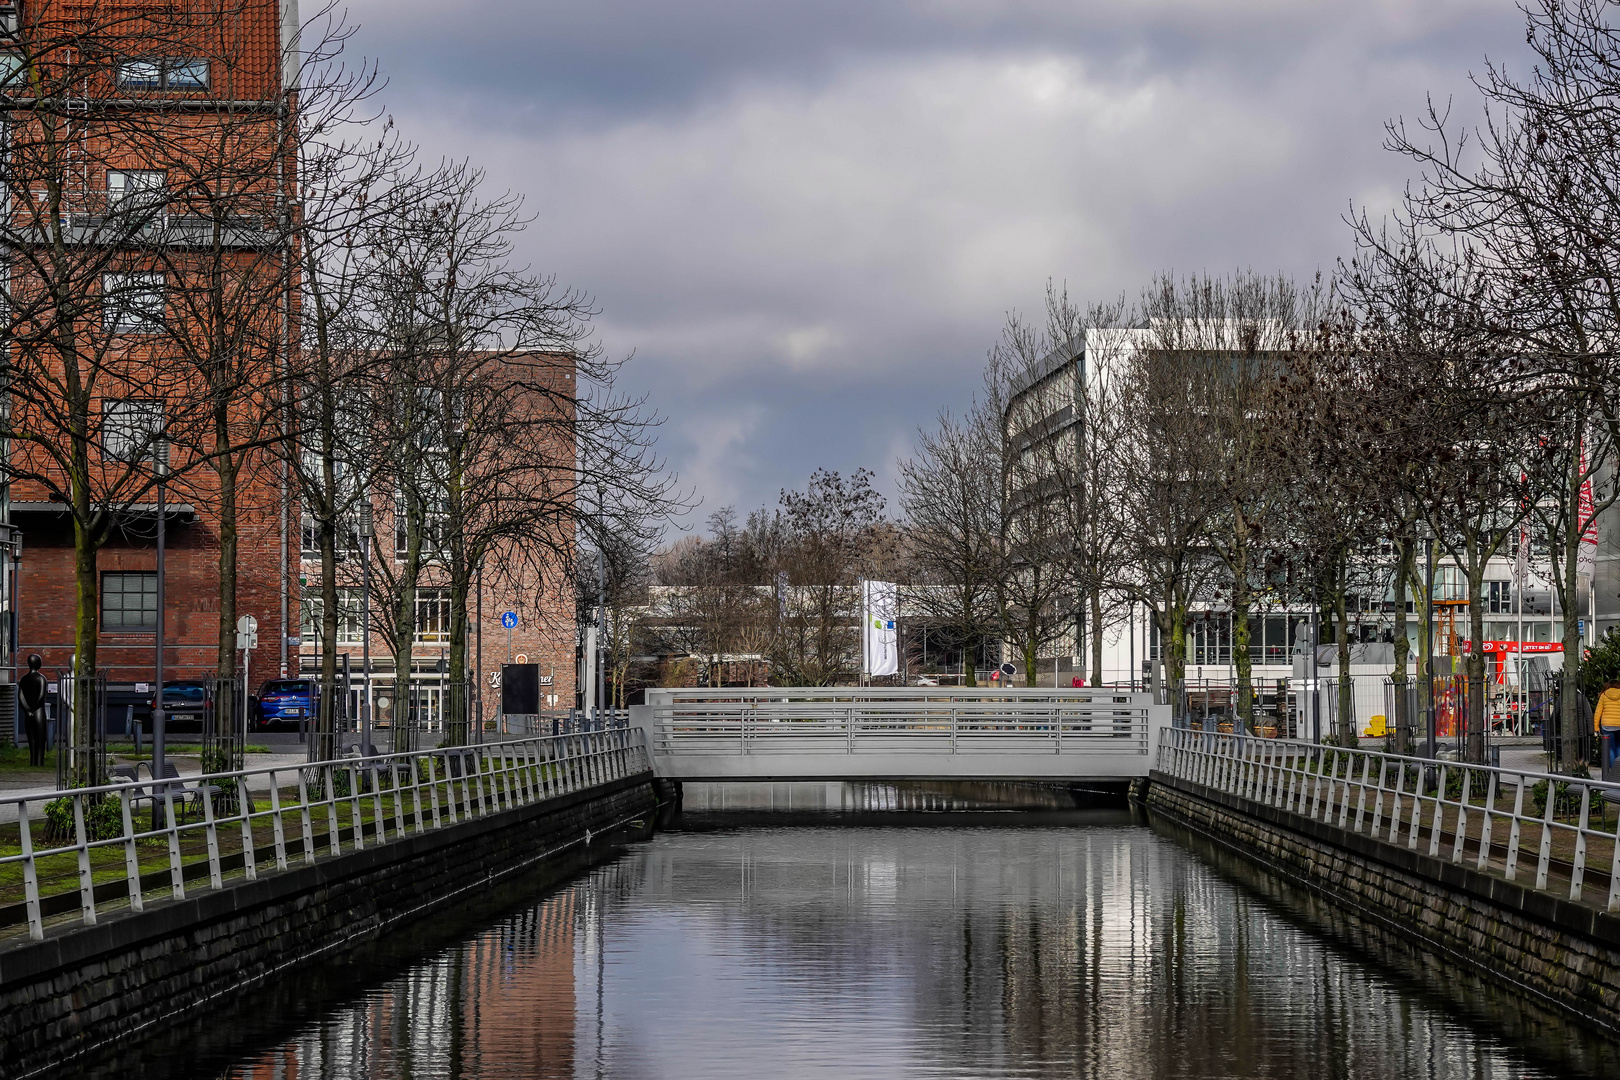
{"points": [[971, 648], [1242, 602], [1398, 677], [1096, 638], [1571, 724], [229, 696], [1346, 735], [324, 726], [1174, 651], [1426, 646], [85, 636], [323, 732], [1476, 664]]}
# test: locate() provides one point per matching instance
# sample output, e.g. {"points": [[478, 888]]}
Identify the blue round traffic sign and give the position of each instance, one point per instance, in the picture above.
{"points": [[509, 619]]}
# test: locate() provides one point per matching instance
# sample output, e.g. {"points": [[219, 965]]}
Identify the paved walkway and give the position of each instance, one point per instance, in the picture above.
{"points": [[35, 785]]}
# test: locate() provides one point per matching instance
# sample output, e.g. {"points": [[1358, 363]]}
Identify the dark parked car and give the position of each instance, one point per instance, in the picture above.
{"points": [[185, 702], [285, 704]]}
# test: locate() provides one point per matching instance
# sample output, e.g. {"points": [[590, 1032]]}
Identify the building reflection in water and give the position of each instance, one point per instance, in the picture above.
{"points": [[1093, 948], [505, 997]]}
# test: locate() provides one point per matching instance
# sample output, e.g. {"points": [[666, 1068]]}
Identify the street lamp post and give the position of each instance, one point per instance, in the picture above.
{"points": [[14, 628]]}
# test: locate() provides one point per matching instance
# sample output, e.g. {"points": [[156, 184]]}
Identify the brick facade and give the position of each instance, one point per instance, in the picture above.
{"points": [[164, 129]]}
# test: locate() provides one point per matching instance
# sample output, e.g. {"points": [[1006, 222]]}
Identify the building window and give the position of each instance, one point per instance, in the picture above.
{"points": [[132, 303], [136, 189], [348, 621], [129, 601], [1499, 597], [1211, 634], [1449, 585], [172, 73], [432, 614], [346, 539], [129, 428], [1269, 640]]}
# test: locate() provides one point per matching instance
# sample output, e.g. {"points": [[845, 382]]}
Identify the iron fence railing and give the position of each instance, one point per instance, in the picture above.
{"points": [[560, 721], [173, 827], [1569, 826]]}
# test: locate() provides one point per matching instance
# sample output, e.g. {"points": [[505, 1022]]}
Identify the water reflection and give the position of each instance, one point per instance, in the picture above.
{"points": [[1093, 948], [861, 798]]}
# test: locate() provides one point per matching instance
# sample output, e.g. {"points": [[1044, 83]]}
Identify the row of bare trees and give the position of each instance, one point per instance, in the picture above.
{"points": [[229, 275], [1250, 442], [774, 597]]}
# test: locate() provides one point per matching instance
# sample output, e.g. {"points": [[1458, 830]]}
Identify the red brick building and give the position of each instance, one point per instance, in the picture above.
{"points": [[151, 166], [157, 133]]}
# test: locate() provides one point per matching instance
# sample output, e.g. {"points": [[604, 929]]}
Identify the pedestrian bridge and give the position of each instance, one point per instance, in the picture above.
{"points": [[909, 733]]}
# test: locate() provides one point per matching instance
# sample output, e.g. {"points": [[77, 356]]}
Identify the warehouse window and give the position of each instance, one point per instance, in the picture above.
{"points": [[129, 600]]}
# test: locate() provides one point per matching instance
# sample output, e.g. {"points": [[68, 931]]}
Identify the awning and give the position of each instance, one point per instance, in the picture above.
{"points": [[182, 512]]}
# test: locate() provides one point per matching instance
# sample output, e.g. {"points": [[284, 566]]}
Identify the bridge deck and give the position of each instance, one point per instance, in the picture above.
{"points": [[922, 733]]}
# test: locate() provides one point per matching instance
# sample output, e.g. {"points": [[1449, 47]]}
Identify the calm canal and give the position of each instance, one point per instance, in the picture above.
{"points": [[761, 936]]}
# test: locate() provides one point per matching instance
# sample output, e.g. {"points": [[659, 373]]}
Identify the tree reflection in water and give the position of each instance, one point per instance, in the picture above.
{"points": [[1086, 947]]}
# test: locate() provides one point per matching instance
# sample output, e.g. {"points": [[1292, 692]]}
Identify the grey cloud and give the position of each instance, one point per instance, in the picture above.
{"points": [[808, 221]]}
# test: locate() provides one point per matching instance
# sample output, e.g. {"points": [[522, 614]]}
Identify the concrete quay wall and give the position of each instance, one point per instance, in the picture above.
{"points": [[83, 990], [1559, 953]]}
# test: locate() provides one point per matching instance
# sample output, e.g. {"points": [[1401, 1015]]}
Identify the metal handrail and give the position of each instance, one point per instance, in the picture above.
{"points": [[1069, 723], [1398, 799], [442, 786]]}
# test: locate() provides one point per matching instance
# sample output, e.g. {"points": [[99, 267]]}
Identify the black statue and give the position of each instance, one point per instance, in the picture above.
{"points": [[31, 690]]}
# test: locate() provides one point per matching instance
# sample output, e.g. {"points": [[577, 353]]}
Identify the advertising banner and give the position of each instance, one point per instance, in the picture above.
{"points": [[880, 639]]}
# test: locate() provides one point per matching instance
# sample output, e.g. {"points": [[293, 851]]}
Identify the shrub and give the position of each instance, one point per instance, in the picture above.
{"points": [[103, 819], [1567, 798], [1601, 664], [216, 760]]}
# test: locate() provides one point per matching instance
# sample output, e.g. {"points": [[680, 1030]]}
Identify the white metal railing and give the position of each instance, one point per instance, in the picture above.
{"points": [[405, 794], [1448, 808], [909, 720]]}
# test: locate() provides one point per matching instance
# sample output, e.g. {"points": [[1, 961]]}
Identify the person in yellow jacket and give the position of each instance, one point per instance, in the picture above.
{"points": [[1606, 717]]}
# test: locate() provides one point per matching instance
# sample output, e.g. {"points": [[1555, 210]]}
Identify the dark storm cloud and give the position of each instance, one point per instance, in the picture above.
{"points": [[808, 220]]}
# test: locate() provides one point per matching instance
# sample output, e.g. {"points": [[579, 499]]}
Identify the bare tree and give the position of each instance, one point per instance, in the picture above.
{"points": [[1029, 382], [951, 495], [828, 532]]}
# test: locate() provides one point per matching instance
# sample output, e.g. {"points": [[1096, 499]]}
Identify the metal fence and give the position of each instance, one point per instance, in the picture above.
{"points": [[560, 722], [907, 720], [160, 834], [1500, 818]]}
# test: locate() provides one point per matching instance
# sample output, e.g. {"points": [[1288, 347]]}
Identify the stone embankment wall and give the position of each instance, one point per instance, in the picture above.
{"points": [[1560, 953], [83, 989]]}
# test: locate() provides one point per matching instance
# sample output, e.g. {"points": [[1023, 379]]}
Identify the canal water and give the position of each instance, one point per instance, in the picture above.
{"points": [[875, 931]]}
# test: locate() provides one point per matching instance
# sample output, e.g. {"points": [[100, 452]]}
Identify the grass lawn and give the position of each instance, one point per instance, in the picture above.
{"points": [[127, 750], [14, 763]]}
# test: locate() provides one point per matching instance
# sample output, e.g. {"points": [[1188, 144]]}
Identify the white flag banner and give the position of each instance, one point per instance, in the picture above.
{"points": [[880, 640]]}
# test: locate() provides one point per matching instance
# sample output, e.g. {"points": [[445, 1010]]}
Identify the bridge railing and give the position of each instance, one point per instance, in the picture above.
{"points": [[93, 840], [910, 720], [1503, 821]]}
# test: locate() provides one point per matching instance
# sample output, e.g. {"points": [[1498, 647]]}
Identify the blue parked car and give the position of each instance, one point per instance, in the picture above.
{"points": [[285, 704]]}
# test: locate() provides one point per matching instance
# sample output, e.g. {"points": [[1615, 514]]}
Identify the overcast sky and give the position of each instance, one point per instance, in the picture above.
{"points": [[808, 220]]}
